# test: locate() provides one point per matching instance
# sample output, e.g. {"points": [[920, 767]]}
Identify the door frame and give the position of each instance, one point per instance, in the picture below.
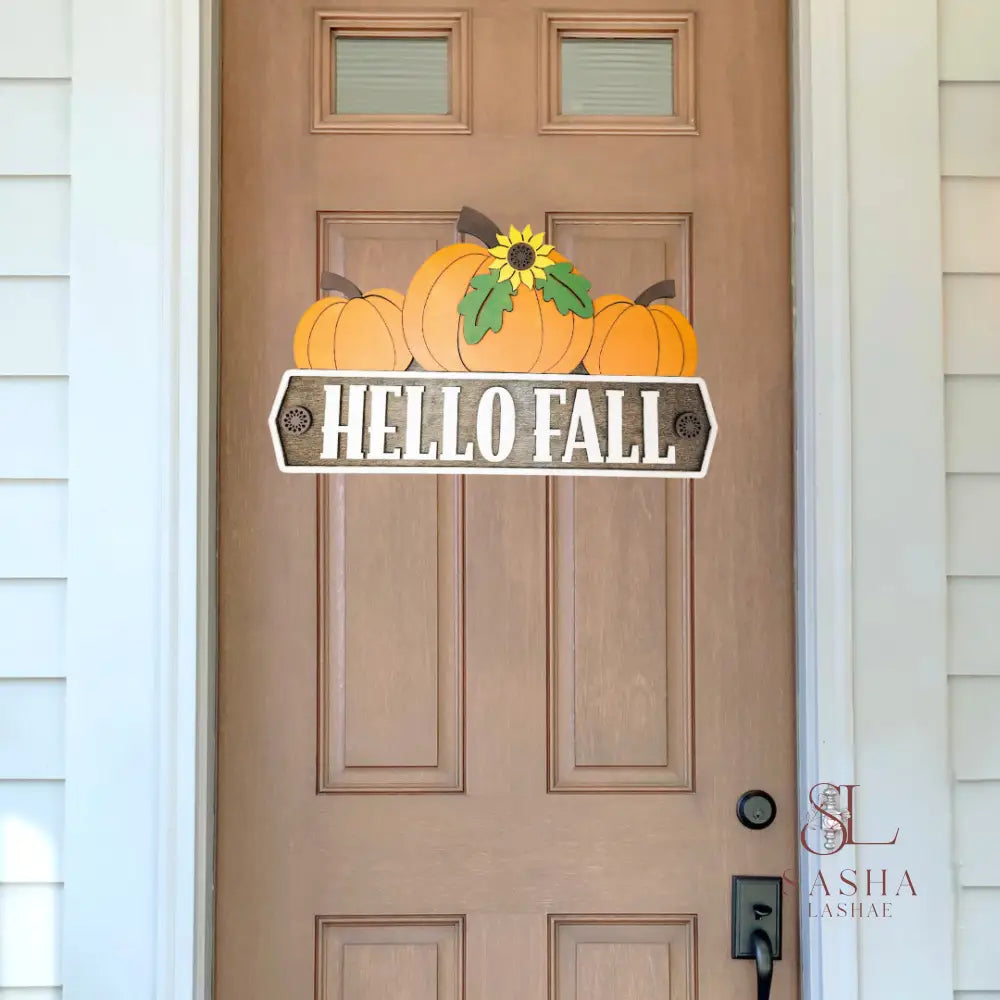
{"points": [[148, 688]]}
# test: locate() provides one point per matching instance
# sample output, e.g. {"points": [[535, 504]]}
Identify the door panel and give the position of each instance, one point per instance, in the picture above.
{"points": [[483, 738], [390, 698], [620, 660]]}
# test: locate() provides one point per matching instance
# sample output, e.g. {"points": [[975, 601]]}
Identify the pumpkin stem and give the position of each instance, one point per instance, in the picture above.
{"points": [[473, 223], [659, 290], [330, 282]]}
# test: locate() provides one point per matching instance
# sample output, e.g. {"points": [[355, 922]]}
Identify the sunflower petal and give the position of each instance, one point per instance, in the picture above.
{"points": [[543, 251], [537, 240], [515, 234], [526, 233], [504, 241], [528, 278], [500, 252], [538, 273], [541, 260], [506, 271], [497, 263], [515, 279]]}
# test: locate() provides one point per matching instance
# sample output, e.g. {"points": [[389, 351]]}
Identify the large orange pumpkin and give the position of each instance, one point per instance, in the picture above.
{"points": [[640, 338], [358, 332], [535, 336]]}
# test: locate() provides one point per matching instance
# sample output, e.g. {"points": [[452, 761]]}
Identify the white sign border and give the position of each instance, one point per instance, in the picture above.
{"points": [[423, 470]]}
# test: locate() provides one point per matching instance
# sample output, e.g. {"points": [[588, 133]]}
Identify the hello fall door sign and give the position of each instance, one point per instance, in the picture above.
{"points": [[496, 360]]}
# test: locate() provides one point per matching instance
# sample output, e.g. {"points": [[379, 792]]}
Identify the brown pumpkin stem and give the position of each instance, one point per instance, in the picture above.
{"points": [[473, 223], [661, 290], [330, 282]]}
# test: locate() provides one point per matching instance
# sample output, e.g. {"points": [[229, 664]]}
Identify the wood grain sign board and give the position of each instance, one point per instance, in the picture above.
{"points": [[552, 425]]}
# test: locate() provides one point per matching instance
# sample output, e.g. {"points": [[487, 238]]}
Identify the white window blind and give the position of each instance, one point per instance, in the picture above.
{"points": [[391, 76], [617, 76]]}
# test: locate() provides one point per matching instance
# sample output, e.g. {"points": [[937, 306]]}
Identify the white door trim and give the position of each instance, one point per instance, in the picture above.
{"points": [[822, 308], [140, 730]]}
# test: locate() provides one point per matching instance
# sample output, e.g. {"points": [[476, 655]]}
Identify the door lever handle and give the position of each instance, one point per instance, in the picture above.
{"points": [[757, 925], [764, 960]]}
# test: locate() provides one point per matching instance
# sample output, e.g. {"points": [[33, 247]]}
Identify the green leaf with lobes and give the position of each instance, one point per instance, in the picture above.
{"points": [[484, 305], [568, 290]]}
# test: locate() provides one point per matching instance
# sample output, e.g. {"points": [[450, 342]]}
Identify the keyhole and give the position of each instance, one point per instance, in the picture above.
{"points": [[756, 809]]}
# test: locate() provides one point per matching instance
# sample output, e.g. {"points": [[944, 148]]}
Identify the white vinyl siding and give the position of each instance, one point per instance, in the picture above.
{"points": [[34, 256], [970, 193]]}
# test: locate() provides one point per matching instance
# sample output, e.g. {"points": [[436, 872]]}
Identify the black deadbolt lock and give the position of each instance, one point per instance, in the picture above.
{"points": [[756, 809]]}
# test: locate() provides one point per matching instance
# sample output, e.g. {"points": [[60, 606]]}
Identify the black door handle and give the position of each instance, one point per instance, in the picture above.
{"points": [[764, 960], [757, 925]]}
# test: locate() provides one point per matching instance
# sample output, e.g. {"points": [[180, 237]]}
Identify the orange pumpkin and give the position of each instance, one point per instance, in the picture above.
{"points": [[354, 333], [535, 336], [639, 338]]}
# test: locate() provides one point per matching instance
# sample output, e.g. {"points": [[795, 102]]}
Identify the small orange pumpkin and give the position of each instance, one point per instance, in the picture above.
{"points": [[535, 337], [639, 338], [359, 332]]}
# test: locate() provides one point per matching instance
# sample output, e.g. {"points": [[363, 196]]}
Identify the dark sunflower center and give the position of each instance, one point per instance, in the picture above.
{"points": [[521, 256]]}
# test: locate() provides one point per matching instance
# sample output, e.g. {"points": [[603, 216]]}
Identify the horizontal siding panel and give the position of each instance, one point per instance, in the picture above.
{"points": [[972, 423], [38, 993], [975, 713], [973, 614], [33, 430], [977, 815], [34, 38], [972, 324], [968, 48], [32, 529], [31, 831], [32, 730], [973, 525], [34, 314], [32, 628], [34, 221], [30, 935], [35, 134], [970, 223], [970, 129], [977, 965]]}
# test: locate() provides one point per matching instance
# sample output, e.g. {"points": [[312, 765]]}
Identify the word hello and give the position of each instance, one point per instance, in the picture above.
{"points": [[424, 421]]}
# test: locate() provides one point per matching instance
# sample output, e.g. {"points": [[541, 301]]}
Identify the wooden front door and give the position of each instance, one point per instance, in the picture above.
{"points": [[484, 737]]}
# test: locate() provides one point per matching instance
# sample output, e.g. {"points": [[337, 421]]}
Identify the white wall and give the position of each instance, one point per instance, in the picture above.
{"points": [[970, 190], [34, 292]]}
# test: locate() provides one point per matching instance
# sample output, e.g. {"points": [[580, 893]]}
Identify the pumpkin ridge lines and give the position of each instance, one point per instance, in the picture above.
{"points": [[541, 328], [385, 324], [481, 268], [607, 336], [569, 343], [659, 342], [312, 330], [675, 330], [473, 252], [333, 338], [680, 339]]}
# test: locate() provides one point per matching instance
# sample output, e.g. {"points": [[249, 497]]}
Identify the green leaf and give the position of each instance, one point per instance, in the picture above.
{"points": [[567, 290], [484, 305]]}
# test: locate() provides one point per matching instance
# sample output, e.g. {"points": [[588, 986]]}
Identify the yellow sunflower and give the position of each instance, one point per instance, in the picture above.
{"points": [[522, 257]]}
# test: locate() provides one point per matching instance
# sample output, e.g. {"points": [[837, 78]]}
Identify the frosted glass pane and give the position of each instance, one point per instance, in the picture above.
{"points": [[617, 76], [391, 76]]}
